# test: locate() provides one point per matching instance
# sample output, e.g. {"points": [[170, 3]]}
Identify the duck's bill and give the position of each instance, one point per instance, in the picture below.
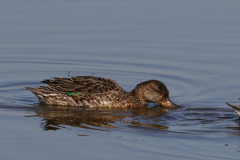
{"points": [[169, 104]]}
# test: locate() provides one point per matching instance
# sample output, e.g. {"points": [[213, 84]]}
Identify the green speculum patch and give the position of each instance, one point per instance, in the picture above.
{"points": [[71, 93]]}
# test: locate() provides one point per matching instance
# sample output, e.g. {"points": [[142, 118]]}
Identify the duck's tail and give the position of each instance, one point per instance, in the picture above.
{"points": [[236, 108], [31, 89], [43, 96], [42, 92]]}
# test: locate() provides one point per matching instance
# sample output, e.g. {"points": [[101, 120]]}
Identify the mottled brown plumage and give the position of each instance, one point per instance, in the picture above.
{"points": [[100, 92]]}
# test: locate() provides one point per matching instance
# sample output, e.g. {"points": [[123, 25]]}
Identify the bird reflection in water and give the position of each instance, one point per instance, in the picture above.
{"points": [[56, 117]]}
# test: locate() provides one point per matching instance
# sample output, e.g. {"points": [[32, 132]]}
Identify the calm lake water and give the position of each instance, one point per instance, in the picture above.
{"points": [[191, 46]]}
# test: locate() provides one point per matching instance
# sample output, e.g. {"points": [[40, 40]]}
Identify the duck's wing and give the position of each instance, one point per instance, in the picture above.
{"points": [[81, 84], [236, 109]]}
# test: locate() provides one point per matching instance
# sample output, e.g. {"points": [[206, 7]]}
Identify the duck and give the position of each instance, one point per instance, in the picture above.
{"points": [[89, 91], [236, 108]]}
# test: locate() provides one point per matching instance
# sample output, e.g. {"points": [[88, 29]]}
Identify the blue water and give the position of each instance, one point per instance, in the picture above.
{"points": [[191, 46]]}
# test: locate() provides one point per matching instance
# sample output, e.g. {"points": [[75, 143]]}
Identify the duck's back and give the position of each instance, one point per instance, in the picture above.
{"points": [[81, 91], [82, 84]]}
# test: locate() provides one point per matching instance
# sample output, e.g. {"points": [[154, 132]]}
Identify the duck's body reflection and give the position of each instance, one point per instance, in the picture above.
{"points": [[55, 117]]}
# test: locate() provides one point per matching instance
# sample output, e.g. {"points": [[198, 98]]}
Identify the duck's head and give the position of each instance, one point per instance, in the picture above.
{"points": [[153, 91]]}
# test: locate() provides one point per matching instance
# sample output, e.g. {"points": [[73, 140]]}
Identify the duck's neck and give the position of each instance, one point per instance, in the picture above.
{"points": [[137, 93]]}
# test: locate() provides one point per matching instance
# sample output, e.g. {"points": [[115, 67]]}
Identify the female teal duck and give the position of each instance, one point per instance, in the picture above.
{"points": [[100, 92], [236, 108]]}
